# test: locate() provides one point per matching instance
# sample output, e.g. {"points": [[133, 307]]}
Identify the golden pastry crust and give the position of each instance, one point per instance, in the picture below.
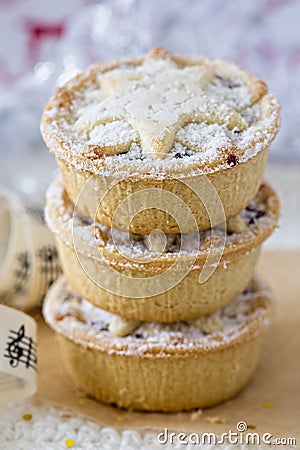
{"points": [[182, 366], [100, 197], [107, 124], [110, 80], [109, 268]]}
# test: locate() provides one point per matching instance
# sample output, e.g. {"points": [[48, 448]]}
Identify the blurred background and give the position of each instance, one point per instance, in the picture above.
{"points": [[44, 43]]}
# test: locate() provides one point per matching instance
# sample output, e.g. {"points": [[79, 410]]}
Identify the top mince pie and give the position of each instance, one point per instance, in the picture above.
{"points": [[166, 128]]}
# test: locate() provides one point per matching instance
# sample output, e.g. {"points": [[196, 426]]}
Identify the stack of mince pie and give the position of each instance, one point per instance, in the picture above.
{"points": [[159, 215]]}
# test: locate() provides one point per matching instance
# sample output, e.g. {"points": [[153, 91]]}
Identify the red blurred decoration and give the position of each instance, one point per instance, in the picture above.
{"points": [[39, 32]]}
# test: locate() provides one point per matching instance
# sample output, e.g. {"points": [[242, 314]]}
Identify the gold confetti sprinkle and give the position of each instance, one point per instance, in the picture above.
{"points": [[27, 417], [196, 414], [70, 443], [215, 419], [268, 405]]}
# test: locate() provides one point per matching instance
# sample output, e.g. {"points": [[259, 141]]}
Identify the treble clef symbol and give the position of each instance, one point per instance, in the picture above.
{"points": [[14, 350], [21, 349]]}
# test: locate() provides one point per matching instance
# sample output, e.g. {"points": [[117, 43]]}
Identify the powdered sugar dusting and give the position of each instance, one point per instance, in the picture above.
{"points": [[64, 221], [112, 132], [210, 139], [130, 115], [73, 316], [232, 92], [156, 103]]}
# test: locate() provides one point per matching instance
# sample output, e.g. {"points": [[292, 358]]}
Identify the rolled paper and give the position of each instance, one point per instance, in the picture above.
{"points": [[18, 355], [29, 259]]}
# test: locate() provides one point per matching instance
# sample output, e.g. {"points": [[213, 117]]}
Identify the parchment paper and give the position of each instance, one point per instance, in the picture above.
{"points": [[276, 382]]}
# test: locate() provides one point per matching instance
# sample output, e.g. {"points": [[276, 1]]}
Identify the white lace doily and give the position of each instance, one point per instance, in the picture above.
{"points": [[24, 426], [29, 427]]}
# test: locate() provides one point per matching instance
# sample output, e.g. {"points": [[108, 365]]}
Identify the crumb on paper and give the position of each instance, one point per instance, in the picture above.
{"points": [[66, 416], [268, 405], [70, 443], [251, 426], [81, 397], [215, 419], [196, 414], [27, 417]]}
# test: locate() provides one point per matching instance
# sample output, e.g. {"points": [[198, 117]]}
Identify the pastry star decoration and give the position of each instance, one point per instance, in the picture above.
{"points": [[148, 105]]}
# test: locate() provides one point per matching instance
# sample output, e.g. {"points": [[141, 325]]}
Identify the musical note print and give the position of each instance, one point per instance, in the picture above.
{"points": [[21, 274], [37, 213], [49, 265], [21, 349]]}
